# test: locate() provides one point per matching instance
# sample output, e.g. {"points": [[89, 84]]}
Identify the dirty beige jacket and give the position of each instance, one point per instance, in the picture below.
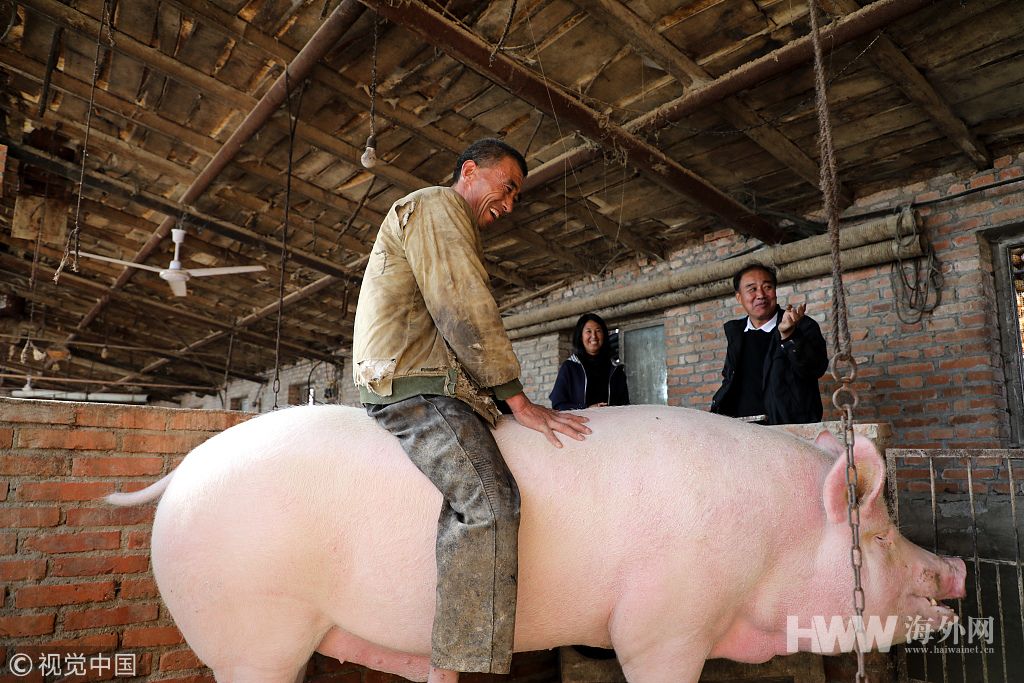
{"points": [[426, 321]]}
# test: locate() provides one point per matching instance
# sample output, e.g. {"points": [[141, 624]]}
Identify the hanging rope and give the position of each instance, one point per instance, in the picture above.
{"points": [[352, 217], [293, 122], [504, 33], [844, 367], [74, 237], [914, 290], [227, 368]]}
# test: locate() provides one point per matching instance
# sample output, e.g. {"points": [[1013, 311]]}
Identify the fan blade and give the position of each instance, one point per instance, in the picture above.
{"points": [[178, 287], [119, 262], [227, 270]]}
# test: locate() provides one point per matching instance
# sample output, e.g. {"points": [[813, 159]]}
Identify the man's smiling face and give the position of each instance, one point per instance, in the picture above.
{"points": [[757, 295], [490, 190]]}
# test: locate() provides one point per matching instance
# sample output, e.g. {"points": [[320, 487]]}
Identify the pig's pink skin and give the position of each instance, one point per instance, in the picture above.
{"points": [[672, 534]]}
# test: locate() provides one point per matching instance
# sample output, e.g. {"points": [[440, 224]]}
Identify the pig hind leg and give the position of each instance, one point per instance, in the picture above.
{"points": [[272, 648], [243, 673]]}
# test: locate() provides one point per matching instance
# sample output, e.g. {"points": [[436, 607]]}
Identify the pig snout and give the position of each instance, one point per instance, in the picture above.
{"points": [[942, 578], [952, 580], [937, 579]]}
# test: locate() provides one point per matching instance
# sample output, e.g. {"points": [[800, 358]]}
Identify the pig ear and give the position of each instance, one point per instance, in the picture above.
{"points": [[870, 476]]}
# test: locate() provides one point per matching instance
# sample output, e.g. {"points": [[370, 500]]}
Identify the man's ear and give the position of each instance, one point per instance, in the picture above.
{"points": [[468, 168]]}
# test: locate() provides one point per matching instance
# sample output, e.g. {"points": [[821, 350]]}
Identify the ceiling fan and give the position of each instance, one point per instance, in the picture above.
{"points": [[174, 274]]}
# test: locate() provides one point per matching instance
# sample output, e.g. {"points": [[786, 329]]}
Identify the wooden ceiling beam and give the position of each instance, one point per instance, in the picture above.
{"points": [[466, 47], [751, 74], [273, 49], [235, 98], [155, 59], [169, 207], [92, 363], [648, 42], [538, 241], [891, 61], [111, 144], [147, 303], [130, 111], [309, 189], [197, 142], [241, 323], [259, 113]]}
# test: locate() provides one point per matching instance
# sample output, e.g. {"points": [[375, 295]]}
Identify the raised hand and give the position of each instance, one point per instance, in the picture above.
{"points": [[789, 320]]}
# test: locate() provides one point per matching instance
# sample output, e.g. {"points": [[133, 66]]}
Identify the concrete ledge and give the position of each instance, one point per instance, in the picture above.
{"points": [[879, 432]]}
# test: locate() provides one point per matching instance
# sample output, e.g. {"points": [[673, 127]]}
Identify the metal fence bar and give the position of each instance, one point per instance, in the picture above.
{"points": [[936, 459], [935, 549], [977, 566], [902, 673], [1002, 624], [1016, 541]]}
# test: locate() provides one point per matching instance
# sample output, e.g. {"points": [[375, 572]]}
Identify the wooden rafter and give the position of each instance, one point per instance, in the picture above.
{"points": [[146, 303], [647, 41], [274, 49], [891, 60], [468, 48], [266, 311], [795, 53], [237, 99]]}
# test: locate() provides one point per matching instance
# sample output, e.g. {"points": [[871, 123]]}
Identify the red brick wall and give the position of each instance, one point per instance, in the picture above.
{"points": [[74, 572], [939, 382]]}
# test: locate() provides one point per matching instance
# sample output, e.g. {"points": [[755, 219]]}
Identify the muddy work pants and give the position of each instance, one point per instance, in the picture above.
{"points": [[477, 531]]}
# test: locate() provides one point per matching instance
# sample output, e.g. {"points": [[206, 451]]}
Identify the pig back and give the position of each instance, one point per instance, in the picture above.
{"points": [[319, 506]]}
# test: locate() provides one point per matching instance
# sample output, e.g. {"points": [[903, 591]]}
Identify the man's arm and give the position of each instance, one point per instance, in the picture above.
{"points": [[802, 344], [441, 246], [547, 421]]}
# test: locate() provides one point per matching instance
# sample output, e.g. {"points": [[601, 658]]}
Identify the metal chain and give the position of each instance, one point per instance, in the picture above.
{"points": [[844, 367]]}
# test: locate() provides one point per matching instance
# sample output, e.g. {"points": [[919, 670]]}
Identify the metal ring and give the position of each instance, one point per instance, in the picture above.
{"points": [[843, 405]]}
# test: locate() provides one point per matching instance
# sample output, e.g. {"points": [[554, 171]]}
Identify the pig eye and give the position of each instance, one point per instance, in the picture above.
{"points": [[884, 539]]}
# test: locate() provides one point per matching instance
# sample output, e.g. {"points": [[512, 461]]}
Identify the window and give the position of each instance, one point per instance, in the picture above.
{"points": [[1008, 264], [239, 403], [642, 349], [296, 394]]}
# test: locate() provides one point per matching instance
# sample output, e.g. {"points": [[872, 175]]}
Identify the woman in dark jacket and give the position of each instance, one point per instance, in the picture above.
{"points": [[590, 377]]}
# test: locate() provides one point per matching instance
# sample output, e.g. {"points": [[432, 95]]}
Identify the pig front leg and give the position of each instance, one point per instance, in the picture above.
{"points": [[653, 648], [677, 660]]}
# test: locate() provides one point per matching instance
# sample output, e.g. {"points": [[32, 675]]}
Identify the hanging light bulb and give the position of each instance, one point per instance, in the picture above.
{"points": [[369, 158], [104, 352]]}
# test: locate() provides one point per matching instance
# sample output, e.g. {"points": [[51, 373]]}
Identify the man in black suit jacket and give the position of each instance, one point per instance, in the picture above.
{"points": [[774, 356]]}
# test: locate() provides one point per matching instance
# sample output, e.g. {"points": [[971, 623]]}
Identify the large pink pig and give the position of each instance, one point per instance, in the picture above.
{"points": [[671, 534]]}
